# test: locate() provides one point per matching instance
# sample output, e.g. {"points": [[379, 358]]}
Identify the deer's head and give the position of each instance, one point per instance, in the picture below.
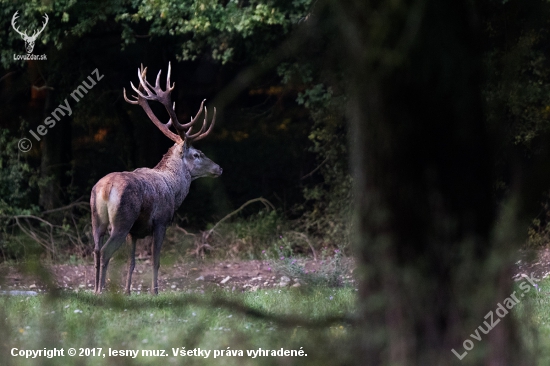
{"points": [[195, 161], [29, 40], [200, 165]]}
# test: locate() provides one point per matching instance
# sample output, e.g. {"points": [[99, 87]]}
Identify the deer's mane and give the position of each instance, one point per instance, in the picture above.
{"points": [[164, 163]]}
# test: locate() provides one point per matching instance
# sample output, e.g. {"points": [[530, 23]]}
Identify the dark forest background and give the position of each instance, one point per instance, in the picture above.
{"points": [[262, 138], [439, 112], [279, 135]]}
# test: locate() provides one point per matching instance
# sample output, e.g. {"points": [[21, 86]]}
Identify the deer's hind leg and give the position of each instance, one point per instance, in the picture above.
{"points": [[111, 246], [98, 230], [98, 239], [131, 262]]}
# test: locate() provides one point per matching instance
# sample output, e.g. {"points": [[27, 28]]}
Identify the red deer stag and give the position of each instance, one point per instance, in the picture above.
{"points": [[139, 204]]}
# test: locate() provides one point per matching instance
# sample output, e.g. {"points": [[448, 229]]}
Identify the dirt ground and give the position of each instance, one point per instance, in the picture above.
{"points": [[233, 275], [533, 261]]}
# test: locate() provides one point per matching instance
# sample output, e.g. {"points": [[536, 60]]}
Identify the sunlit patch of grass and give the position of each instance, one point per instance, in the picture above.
{"points": [[171, 321]]}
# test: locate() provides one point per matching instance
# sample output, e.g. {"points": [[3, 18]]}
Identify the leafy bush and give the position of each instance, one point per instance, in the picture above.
{"points": [[24, 230], [325, 214], [331, 272], [18, 182], [538, 233], [241, 238], [17, 178]]}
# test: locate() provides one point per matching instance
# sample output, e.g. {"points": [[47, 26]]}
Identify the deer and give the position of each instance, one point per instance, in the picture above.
{"points": [[29, 40], [141, 203]]}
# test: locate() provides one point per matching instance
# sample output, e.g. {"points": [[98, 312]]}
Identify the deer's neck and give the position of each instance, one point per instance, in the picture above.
{"points": [[175, 173]]}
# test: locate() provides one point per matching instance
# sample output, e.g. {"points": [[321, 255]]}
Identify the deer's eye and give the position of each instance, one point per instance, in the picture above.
{"points": [[196, 156]]}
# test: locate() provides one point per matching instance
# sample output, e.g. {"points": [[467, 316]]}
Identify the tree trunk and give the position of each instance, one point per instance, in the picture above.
{"points": [[422, 169], [55, 145], [55, 158]]}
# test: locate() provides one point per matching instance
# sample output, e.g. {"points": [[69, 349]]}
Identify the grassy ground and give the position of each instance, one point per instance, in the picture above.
{"points": [[212, 320], [174, 322], [534, 315]]}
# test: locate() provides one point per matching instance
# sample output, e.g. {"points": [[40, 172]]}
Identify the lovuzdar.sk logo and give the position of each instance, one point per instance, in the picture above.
{"points": [[29, 40]]}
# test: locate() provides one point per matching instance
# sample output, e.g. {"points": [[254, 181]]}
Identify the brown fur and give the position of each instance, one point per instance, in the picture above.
{"points": [[141, 204], [107, 190]]}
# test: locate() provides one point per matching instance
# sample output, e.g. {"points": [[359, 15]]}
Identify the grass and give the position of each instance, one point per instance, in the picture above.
{"points": [[174, 322], [534, 316], [212, 320]]}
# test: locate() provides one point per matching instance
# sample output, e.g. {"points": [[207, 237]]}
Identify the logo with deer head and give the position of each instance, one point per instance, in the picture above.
{"points": [[29, 40]]}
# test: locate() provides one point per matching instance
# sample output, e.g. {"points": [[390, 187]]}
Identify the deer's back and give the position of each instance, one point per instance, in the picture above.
{"points": [[139, 199]]}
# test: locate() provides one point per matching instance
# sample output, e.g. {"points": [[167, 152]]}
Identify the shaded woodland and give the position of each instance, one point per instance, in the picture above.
{"points": [[412, 135]]}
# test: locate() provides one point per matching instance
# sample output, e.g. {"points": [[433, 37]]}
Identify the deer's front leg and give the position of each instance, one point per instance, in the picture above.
{"points": [[131, 263], [158, 238]]}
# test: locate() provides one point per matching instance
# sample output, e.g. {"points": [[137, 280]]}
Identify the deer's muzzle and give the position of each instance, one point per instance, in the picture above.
{"points": [[217, 171]]}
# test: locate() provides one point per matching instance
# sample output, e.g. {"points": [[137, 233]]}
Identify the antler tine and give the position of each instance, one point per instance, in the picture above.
{"points": [[193, 120], [157, 81], [140, 94], [143, 83], [168, 87], [195, 135], [200, 135], [145, 86], [128, 99], [143, 71], [145, 91], [169, 123], [143, 79]]}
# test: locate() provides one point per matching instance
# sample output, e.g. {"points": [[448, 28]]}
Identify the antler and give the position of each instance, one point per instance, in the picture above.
{"points": [[146, 92], [15, 16]]}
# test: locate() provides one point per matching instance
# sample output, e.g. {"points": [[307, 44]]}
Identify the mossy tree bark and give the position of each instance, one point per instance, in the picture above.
{"points": [[423, 173]]}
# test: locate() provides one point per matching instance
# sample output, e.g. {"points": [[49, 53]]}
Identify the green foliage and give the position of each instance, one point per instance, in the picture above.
{"points": [[318, 96], [332, 271], [67, 18], [247, 237], [326, 213], [538, 233], [518, 92], [532, 313], [18, 184], [330, 211], [285, 245], [17, 247], [17, 178], [228, 31], [176, 320], [24, 232], [232, 30]]}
